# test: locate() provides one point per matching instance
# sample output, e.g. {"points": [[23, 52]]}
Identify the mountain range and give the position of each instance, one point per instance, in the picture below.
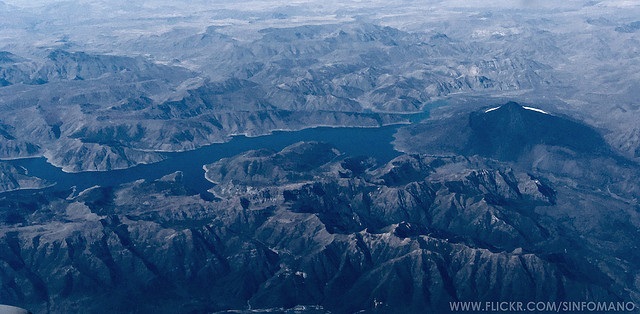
{"points": [[308, 226], [514, 175]]}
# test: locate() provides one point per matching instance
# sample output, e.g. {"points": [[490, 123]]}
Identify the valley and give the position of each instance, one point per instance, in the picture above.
{"points": [[317, 156]]}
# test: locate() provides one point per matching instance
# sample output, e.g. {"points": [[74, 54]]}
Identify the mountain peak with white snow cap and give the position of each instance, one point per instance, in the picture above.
{"points": [[508, 132]]}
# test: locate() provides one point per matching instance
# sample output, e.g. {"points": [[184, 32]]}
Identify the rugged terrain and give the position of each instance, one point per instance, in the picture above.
{"points": [[111, 86], [309, 226], [518, 178], [102, 112]]}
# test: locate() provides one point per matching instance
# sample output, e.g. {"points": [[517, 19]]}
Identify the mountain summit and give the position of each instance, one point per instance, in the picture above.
{"points": [[505, 133], [511, 129]]}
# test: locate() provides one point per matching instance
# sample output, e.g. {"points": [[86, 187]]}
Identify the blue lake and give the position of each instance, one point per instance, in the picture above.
{"points": [[373, 142]]}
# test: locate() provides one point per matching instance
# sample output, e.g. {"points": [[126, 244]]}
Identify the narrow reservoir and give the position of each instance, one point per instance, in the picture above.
{"points": [[372, 142]]}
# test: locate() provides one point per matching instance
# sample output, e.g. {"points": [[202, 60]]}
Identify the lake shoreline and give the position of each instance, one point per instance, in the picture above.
{"points": [[369, 141]]}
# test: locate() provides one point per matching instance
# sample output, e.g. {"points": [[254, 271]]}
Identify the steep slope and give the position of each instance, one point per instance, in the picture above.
{"points": [[12, 178], [93, 112], [508, 132], [530, 139], [511, 130]]}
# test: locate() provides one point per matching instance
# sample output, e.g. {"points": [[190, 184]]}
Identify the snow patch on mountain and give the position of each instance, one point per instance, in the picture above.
{"points": [[535, 109], [527, 108]]}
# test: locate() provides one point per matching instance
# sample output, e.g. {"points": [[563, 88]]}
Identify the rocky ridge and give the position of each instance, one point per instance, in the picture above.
{"points": [[89, 111], [412, 234]]}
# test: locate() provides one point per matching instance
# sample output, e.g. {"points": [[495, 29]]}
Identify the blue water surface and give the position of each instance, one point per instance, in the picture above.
{"points": [[372, 142]]}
